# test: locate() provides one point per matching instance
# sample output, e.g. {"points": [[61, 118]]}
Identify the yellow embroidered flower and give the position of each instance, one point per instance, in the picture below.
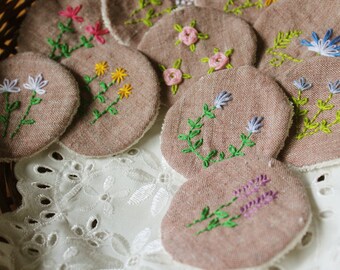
{"points": [[101, 68], [119, 75], [125, 91], [269, 2]]}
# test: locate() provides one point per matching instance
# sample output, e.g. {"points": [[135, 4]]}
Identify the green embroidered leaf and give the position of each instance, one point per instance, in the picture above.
{"points": [[210, 115], [3, 119], [65, 50], [141, 3], [96, 113], [213, 224], [101, 98], [205, 213], [35, 101], [221, 214], [243, 137], [211, 70], [178, 42], [194, 133], [178, 63], [222, 156], [178, 28], [198, 144], [52, 42], [338, 115], [174, 89], [232, 150], [229, 224], [182, 137], [186, 151], [303, 112], [27, 122], [205, 59], [87, 79], [206, 163], [162, 68], [156, 2], [249, 143], [303, 101], [203, 36], [229, 66], [212, 154], [199, 125], [206, 108], [147, 22], [103, 86], [193, 23], [229, 52], [149, 14], [15, 105], [113, 111], [216, 50], [186, 76], [88, 45], [193, 47], [191, 123]]}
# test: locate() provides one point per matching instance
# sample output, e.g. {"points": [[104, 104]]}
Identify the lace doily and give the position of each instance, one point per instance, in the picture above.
{"points": [[81, 213]]}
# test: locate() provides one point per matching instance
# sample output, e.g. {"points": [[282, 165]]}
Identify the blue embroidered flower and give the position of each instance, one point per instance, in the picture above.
{"points": [[302, 85], [222, 99], [334, 88], [325, 46], [255, 124]]}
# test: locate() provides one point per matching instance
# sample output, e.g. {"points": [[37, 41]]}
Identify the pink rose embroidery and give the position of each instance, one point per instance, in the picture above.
{"points": [[172, 76], [188, 36], [218, 61]]}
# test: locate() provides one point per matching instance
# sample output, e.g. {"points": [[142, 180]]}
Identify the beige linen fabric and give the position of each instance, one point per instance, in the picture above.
{"points": [[52, 115], [319, 147], [112, 134], [303, 15], [254, 94], [256, 241], [116, 13], [225, 32]]}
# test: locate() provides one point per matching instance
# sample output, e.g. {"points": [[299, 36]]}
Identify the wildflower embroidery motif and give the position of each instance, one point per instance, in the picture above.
{"points": [[221, 218], [325, 46], [64, 49], [117, 76], [230, 6], [254, 126], [189, 36], [150, 14], [34, 84], [219, 60], [281, 42], [310, 125], [174, 76]]}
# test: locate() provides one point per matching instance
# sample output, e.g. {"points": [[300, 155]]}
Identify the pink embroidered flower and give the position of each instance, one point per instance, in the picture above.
{"points": [[97, 32], [172, 76], [72, 13], [188, 36], [218, 61]]}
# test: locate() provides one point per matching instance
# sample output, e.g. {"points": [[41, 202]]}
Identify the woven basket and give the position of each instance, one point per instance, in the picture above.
{"points": [[12, 12]]}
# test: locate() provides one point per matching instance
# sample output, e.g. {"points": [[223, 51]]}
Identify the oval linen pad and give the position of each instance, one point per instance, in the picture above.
{"points": [[297, 33], [129, 20], [314, 88], [248, 10], [193, 42], [226, 115], [242, 214], [120, 99], [32, 89]]}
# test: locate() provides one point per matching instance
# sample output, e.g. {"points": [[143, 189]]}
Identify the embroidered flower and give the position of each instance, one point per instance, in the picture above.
{"points": [[36, 84], [9, 86], [72, 13], [100, 68], [118, 75], [125, 91], [97, 32], [255, 124], [222, 99], [172, 76], [218, 61], [325, 46], [334, 88], [302, 85]]}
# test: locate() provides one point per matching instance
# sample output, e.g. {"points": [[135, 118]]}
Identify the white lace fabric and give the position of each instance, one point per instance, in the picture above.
{"points": [[81, 213]]}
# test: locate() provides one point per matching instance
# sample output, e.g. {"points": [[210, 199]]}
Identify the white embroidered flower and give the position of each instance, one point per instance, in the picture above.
{"points": [[9, 86], [36, 84]]}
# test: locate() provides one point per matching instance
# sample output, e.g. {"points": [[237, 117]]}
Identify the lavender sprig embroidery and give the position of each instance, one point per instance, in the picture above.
{"points": [[253, 186], [222, 100], [249, 209]]}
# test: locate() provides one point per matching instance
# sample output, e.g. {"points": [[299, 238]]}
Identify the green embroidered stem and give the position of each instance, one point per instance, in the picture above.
{"points": [[109, 109], [282, 41], [24, 121], [143, 4], [9, 108], [298, 102], [239, 9], [100, 96]]}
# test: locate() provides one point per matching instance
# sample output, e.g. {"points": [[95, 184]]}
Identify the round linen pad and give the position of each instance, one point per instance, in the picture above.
{"points": [[248, 10], [38, 100], [72, 27], [129, 20], [223, 116], [222, 42], [284, 43], [242, 214], [120, 100], [314, 88]]}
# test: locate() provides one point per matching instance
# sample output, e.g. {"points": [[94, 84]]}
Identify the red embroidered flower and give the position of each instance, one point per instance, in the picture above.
{"points": [[72, 13], [97, 32]]}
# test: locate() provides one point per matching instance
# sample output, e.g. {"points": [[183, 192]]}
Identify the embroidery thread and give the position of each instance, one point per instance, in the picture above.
{"points": [[325, 46], [64, 49], [231, 7], [174, 76], [221, 218], [282, 41], [189, 36], [219, 60], [310, 125], [254, 126]]}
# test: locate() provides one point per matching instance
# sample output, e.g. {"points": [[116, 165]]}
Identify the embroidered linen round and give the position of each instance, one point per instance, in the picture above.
{"points": [[215, 32], [32, 87], [223, 116], [233, 211]]}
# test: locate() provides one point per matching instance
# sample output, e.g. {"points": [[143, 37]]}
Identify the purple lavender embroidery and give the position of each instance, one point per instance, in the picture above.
{"points": [[255, 124], [253, 186]]}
